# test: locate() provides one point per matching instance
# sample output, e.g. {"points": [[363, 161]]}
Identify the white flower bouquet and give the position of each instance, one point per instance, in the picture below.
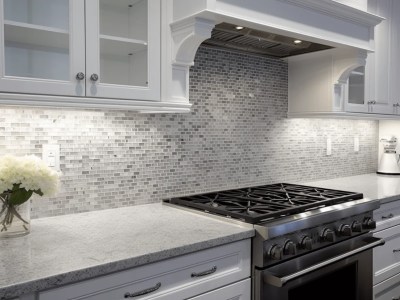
{"points": [[20, 177]]}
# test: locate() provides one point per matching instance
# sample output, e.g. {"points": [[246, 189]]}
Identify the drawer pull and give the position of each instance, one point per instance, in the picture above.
{"points": [[143, 292], [396, 250], [389, 216], [208, 272], [396, 298]]}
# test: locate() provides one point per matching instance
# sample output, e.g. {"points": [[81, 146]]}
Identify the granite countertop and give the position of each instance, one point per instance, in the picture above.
{"points": [[66, 249], [386, 188]]}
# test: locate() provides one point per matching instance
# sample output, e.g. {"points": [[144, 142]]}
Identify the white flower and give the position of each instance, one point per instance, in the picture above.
{"points": [[30, 172]]}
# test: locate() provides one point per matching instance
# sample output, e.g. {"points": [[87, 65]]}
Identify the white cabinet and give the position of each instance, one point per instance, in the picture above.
{"points": [[42, 46], [82, 53], [191, 275], [388, 289], [327, 82], [236, 291], [123, 49], [383, 65], [386, 259], [331, 84]]}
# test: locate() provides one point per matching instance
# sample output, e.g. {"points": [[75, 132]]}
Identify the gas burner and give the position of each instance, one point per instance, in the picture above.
{"points": [[258, 203]]}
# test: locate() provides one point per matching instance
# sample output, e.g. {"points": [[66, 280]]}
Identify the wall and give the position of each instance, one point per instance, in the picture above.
{"points": [[237, 135]]}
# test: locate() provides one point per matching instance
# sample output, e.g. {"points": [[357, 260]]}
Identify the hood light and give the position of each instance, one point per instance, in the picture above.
{"points": [[239, 27], [297, 42]]}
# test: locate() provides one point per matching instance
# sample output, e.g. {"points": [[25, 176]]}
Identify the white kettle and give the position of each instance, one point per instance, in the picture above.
{"points": [[389, 162]]}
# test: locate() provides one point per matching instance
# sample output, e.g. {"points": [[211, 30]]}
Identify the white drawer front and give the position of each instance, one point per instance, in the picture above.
{"points": [[387, 257], [236, 291], [387, 215], [172, 279], [388, 289]]}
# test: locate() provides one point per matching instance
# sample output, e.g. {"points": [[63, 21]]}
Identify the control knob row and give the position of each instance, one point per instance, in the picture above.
{"points": [[277, 251]]}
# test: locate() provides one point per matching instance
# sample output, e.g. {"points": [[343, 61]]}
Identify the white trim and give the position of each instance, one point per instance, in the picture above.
{"points": [[343, 115], [188, 34], [92, 103], [339, 10]]}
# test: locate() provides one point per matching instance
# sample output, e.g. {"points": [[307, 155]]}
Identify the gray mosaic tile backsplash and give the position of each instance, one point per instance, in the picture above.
{"points": [[237, 135]]}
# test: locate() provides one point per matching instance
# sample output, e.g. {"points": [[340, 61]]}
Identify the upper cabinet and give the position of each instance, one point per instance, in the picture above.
{"points": [[82, 53], [42, 47], [368, 87], [137, 54], [123, 49]]}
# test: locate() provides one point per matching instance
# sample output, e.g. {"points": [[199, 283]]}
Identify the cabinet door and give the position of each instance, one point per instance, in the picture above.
{"points": [[386, 260], [356, 93], [123, 49], [42, 46], [388, 289], [394, 57], [236, 291], [379, 63]]}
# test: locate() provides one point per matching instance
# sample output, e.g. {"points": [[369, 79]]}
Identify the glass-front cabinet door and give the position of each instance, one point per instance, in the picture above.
{"points": [[123, 49], [42, 47]]}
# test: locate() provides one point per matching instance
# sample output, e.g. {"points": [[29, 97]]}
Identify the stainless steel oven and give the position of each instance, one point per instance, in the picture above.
{"points": [[310, 242], [339, 272]]}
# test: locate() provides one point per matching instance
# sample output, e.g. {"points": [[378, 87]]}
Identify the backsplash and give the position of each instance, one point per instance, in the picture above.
{"points": [[236, 135]]}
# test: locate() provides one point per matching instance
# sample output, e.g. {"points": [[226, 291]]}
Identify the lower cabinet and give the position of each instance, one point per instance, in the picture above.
{"points": [[388, 289], [236, 291], [221, 273], [387, 258]]}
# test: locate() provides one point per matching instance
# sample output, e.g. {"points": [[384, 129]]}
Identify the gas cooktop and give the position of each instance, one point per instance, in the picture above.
{"points": [[265, 202]]}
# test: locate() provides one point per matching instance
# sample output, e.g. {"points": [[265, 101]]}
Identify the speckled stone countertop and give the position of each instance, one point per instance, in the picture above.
{"points": [[65, 249], [374, 186]]}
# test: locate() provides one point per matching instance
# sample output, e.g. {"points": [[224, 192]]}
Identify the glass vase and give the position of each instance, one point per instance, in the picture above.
{"points": [[15, 220]]}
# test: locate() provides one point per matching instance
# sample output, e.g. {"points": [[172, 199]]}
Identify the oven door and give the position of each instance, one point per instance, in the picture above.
{"points": [[338, 272]]}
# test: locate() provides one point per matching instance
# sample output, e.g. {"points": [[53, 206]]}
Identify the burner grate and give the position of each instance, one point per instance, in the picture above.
{"points": [[258, 203]]}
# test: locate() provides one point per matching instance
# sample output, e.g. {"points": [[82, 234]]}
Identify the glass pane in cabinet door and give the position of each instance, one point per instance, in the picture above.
{"points": [[357, 86], [36, 38], [123, 42]]}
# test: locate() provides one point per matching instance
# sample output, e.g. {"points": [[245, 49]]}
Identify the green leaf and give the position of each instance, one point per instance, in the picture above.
{"points": [[19, 196], [39, 192]]}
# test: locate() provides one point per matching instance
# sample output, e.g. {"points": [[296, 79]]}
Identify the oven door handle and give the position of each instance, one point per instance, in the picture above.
{"points": [[279, 282]]}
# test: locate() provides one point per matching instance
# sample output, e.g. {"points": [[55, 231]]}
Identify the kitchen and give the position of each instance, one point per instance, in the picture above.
{"points": [[236, 134]]}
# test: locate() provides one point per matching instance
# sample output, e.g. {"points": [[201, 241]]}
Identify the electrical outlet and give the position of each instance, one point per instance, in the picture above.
{"points": [[51, 156], [328, 146], [356, 144]]}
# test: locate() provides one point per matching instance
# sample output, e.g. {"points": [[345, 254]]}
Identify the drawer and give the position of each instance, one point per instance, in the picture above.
{"points": [[387, 215], [236, 291], [386, 260], [172, 279], [388, 289]]}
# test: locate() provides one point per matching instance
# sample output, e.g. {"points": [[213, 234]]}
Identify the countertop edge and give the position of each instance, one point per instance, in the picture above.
{"points": [[18, 289]]}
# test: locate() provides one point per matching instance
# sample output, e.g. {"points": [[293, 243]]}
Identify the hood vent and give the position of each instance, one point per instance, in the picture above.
{"points": [[249, 40]]}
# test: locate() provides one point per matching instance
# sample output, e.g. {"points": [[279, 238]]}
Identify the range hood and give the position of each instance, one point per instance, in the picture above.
{"points": [[269, 28], [244, 39]]}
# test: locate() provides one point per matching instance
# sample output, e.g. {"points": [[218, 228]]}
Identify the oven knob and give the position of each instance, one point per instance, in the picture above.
{"points": [[368, 223], [356, 226], [306, 243], [328, 235], [289, 248], [275, 252], [344, 230]]}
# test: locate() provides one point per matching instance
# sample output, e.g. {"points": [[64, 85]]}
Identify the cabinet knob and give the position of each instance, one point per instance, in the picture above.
{"points": [[80, 76], [371, 102], [94, 77]]}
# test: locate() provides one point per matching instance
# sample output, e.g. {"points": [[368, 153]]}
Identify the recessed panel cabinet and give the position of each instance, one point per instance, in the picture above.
{"points": [[83, 48]]}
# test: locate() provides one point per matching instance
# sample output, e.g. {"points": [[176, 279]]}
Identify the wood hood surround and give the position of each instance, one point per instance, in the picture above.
{"points": [[321, 21]]}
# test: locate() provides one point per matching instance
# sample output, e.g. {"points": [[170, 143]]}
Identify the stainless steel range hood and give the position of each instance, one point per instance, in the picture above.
{"points": [[244, 39]]}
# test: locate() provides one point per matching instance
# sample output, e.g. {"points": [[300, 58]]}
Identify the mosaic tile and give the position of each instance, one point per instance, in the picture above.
{"points": [[236, 135]]}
